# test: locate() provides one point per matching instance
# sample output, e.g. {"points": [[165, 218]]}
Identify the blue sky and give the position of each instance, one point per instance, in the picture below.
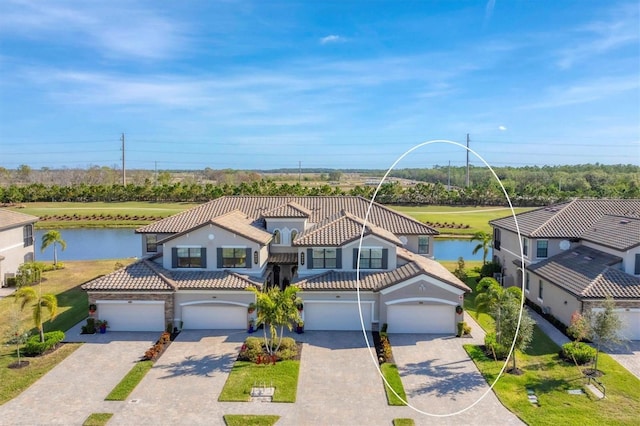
{"points": [[339, 84]]}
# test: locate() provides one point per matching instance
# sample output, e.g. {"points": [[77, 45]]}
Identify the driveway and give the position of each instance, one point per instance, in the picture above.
{"points": [[628, 356], [78, 385]]}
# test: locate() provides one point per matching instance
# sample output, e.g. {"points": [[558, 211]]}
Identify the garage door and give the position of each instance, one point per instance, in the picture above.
{"points": [[132, 316], [433, 319], [214, 316], [336, 316], [630, 323]]}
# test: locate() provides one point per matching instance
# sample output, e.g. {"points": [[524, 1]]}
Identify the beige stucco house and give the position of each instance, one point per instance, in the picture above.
{"points": [[16, 242], [575, 254], [197, 266]]}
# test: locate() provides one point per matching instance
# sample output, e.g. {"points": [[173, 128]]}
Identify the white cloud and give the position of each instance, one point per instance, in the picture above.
{"points": [[502, 128], [331, 39]]}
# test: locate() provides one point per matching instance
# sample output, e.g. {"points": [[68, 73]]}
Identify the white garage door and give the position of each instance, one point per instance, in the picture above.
{"points": [[336, 316], [433, 319], [214, 316], [630, 323], [132, 316]]}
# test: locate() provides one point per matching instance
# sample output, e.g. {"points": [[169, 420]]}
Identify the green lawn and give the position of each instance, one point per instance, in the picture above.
{"points": [[244, 374], [476, 217], [390, 372], [150, 210], [130, 381], [250, 420], [98, 419], [72, 308], [550, 377]]}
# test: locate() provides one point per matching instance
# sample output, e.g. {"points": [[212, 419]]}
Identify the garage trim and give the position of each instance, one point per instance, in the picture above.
{"points": [[419, 278], [130, 302], [421, 299], [206, 302]]}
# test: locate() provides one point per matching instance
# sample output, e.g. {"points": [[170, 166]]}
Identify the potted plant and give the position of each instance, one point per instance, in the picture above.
{"points": [[251, 326], [102, 325], [251, 308], [92, 309], [300, 327]]}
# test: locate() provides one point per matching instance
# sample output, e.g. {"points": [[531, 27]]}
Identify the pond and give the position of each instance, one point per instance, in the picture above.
{"points": [[118, 243]]}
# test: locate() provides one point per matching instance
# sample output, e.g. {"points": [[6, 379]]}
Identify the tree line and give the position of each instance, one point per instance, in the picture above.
{"points": [[525, 186]]}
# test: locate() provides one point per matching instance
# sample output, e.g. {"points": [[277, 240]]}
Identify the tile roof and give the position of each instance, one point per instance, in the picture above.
{"points": [[241, 224], [570, 219], [617, 232], [588, 273], [139, 276], [339, 230], [376, 281], [11, 219], [145, 275], [319, 207], [282, 258], [291, 209]]}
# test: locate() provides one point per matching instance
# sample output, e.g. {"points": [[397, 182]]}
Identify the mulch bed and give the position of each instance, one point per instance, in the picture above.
{"points": [[242, 357], [16, 365]]}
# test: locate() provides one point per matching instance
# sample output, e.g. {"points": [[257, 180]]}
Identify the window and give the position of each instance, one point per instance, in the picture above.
{"points": [[423, 245], [294, 234], [542, 249], [540, 290], [234, 257], [526, 282], [27, 233], [371, 258], [189, 257], [152, 243], [496, 239], [637, 268], [276, 237], [525, 246], [324, 258]]}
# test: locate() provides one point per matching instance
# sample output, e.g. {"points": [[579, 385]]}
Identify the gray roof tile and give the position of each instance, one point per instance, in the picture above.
{"points": [[139, 276], [617, 232], [588, 273], [291, 209], [568, 220]]}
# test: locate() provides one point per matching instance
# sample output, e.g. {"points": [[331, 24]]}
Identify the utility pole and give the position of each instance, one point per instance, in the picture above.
{"points": [[124, 172], [468, 140], [299, 171]]}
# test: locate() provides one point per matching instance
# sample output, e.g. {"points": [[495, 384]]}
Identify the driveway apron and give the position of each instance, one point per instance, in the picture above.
{"points": [[78, 385]]}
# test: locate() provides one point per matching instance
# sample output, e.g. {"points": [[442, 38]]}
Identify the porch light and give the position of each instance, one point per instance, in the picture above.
{"points": [[255, 257], [302, 258]]}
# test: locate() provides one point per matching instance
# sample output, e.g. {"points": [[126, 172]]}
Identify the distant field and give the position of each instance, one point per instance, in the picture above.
{"points": [[477, 218]]}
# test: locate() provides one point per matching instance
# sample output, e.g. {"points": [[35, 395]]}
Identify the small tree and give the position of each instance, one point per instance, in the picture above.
{"points": [[484, 244], [604, 327], [578, 327], [276, 309], [48, 301], [29, 273], [460, 272], [509, 311], [16, 334], [53, 237]]}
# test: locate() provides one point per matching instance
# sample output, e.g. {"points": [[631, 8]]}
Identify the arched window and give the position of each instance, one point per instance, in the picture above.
{"points": [[294, 234], [276, 237]]}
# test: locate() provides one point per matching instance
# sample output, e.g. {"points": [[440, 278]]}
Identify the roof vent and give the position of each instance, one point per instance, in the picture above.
{"points": [[588, 258], [625, 221]]}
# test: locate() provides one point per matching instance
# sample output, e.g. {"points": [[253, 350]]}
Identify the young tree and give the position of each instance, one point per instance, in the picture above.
{"points": [[276, 309], [49, 301], [579, 327], [16, 334], [604, 327], [460, 272], [53, 237], [484, 244], [509, 311]]}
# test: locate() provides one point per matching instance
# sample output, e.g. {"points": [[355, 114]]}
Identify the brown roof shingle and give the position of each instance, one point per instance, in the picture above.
{"points": [[617, 232], [140, 276], [11, 219]]}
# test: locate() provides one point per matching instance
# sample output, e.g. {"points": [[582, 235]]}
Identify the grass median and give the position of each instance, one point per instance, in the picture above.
{"points": [[130, 381], [283, 376]]}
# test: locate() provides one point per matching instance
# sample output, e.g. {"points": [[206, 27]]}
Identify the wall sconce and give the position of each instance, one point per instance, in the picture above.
{"points": [[565, 302], [302, 258], [255, 257]]}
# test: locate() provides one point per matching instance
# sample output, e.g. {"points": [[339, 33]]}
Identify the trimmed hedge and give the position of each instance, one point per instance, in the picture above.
{"points": [[51, 339], [578, 351]]}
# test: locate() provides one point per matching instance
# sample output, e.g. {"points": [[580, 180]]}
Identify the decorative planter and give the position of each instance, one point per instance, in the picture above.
{"points": [[459, 310], [103, 329]]}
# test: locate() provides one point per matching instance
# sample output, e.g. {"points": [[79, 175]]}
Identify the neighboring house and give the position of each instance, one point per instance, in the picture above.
{"points": [[16, 242], [575, 255], [198, 264]]}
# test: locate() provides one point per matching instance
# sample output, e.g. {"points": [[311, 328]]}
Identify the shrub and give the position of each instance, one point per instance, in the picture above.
{"points": [[578, 351], [490, 268], [252, 349], [463, 329], [495, 349], [288, 349], [460, 272], [51, 339], [383, 329]]}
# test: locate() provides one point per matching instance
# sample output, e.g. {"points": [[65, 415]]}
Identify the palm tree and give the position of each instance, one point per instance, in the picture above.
{"points": [[276, 308], [53, 237], [48, 301], [484, 244]]}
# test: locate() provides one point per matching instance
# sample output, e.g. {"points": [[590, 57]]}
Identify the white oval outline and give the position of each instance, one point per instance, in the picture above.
{"points": [[364, 332]]}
